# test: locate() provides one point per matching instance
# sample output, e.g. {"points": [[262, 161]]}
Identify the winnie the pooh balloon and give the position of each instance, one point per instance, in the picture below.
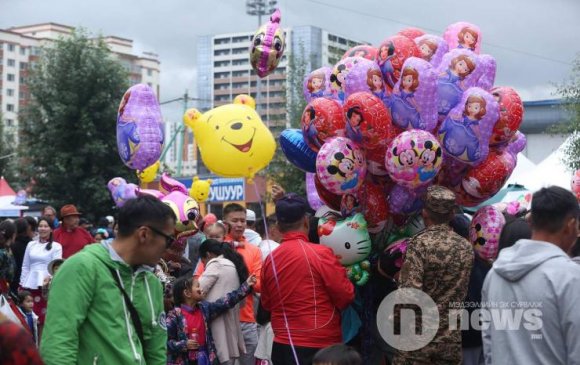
{"points": [[199, 190], [232, 139]]}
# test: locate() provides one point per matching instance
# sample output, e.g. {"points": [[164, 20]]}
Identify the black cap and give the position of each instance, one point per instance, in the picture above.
{"points": [[291, 208]]}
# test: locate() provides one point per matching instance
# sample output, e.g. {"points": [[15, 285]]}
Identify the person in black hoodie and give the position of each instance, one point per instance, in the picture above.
{"points": [[24, 234]]}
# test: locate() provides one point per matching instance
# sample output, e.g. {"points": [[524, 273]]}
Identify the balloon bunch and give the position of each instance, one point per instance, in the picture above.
{"points": [[385, 123]]}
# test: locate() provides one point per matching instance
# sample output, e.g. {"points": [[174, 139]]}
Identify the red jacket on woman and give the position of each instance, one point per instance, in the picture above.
{"points": [[313, 289]]}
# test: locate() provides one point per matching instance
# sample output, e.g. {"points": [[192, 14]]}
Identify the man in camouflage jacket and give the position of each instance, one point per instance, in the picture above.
{"points": [[438, 262]]}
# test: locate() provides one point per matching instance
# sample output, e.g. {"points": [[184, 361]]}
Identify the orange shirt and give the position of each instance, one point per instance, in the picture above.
{"points": [[253, 260]]}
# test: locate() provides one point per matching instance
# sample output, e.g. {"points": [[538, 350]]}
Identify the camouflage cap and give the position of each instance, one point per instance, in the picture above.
{"points": [[440, 200]]}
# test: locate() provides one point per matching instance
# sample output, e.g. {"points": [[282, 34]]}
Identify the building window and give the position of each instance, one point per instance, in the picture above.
{"points": [[11, 47], [221, 52], [9, 92], [9, 107], [221, 41], [332, 38], [10, 77], [35, 51], [221, 63], [240, 50], [23, 51], [239, 73], [221, 75], [9, 122], [11, 62], [22, 95], [240, 62], [149, 84], [23, 66], [241, 39], [23, 80], [149, 72]]}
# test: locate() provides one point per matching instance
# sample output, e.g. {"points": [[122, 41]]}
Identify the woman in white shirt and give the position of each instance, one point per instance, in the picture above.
{"points": [[39, 253]]}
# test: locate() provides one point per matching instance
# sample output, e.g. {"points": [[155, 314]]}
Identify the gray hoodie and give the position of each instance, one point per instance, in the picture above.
{"points": [[533, 273]]}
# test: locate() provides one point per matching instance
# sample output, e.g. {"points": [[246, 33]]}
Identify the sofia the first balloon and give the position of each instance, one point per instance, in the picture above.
{"points": [[391, 56], [267, 46], [322, 119], [317, 84], [363, 50], [355, 74], [488, 66], [464, 134], [485, 230], [341, 165], [463, 35], [368, 121], [511, 113], [413, 102], [431, 48], [413, 158], [458, 71]]}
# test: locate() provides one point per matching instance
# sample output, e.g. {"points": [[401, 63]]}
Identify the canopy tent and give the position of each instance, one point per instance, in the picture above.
{"points": [[7, 209], [551, 171], [508, 194], [523, 167], [5, 189]]}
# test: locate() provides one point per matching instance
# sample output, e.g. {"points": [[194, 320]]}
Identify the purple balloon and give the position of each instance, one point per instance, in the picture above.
{"points": [[432, 48], [405, 201], [458, 71], [139, 128], [489, 67], [517, 144], [311, 193], [465, 133], [354, 74], [317, 84], [463, 35], [413, 102], [121, 191]]}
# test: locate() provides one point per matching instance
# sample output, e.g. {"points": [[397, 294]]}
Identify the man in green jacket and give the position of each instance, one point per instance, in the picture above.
{"points": [[89, 319]]}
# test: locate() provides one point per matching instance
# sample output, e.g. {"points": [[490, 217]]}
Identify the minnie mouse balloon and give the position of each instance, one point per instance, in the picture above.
{"points": [[413, 102], [392, 54], [485, 230], [297, 151], [411, 32], [354, 74], [267, 46], [431, 48], [317, 84], [458, 71], [463, 35], [484, 181], [511, 113], [374, 206], [139, 128], [464, 134], [413, 158], [322, 119], [368, 120], [341, 165], [363, 50]]}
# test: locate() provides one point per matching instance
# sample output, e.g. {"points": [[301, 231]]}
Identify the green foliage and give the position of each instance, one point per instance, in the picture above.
{"points": [[570, 92], [68, 132], [7, 159], [280, 170]]}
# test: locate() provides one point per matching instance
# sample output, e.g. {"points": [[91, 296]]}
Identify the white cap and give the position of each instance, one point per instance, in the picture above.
{"points": [[110, 219], [250, 215]]}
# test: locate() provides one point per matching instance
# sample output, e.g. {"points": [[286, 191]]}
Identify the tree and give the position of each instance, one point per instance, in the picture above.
{"points": [[68, 133], [280, 170], [7, 154], [570, 92]]}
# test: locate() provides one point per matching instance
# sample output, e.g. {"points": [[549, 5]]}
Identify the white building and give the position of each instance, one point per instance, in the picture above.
{"points": [[20, 47]]}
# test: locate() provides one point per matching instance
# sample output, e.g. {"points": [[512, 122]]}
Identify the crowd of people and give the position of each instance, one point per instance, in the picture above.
{"points": [[260, 290]]}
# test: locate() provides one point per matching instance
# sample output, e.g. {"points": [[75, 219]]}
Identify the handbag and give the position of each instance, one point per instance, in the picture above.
{"points": [[7, 310]]}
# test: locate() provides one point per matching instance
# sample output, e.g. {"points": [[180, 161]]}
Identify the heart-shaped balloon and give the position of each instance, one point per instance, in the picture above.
{"points": [[368, 120], [391, 56]]}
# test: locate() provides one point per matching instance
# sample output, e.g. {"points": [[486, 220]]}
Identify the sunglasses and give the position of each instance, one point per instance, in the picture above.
{"points": [[169, 240]]}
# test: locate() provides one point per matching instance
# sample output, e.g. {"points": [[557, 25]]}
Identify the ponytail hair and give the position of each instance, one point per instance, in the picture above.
{"points": [[221, 248], [51, 225], [7, 231]]}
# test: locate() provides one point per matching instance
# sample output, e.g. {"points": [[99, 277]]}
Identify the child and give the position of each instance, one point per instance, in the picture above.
{"points": [[337, 355], [53, 267], [189, 335], [25, 304]]}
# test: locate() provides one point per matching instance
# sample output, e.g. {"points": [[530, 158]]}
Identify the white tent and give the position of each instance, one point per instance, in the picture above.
{"points": [[551, 171], [523, 167], [7, 209]]}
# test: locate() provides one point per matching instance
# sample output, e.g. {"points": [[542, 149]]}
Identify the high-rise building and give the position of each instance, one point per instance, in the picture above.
{"points": [[21, 46]]}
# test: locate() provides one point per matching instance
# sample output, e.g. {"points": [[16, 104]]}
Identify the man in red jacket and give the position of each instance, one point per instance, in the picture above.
{"points": [[304, 287], [72, 237]]}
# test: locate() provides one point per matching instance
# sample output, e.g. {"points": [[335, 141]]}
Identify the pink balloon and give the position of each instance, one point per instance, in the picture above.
{"points": [[311, 193], [341, 165], [432, 48], [463, 35], [485, 230], [354, 74], [413, 102], [465, 133], [317, 84], [414, 158]]}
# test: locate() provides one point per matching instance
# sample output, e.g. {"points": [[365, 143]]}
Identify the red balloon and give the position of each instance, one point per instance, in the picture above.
{"points": [[411, 32], [322, 119], [368, 120], [391, 56], [363, 50], [485, 180], [375, 209], [511, 114], [332, 200]]}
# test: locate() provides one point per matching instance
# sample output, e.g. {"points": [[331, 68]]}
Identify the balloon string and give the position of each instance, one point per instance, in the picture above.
{"points": [[263, 211]]}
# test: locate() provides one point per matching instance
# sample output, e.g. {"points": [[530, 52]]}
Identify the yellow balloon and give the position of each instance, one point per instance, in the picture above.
{"points": [[149, 174], [232, 139], [199, 190]]}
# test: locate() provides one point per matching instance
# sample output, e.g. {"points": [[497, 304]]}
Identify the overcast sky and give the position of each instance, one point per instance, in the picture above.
{"points": [[533, 41]]}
